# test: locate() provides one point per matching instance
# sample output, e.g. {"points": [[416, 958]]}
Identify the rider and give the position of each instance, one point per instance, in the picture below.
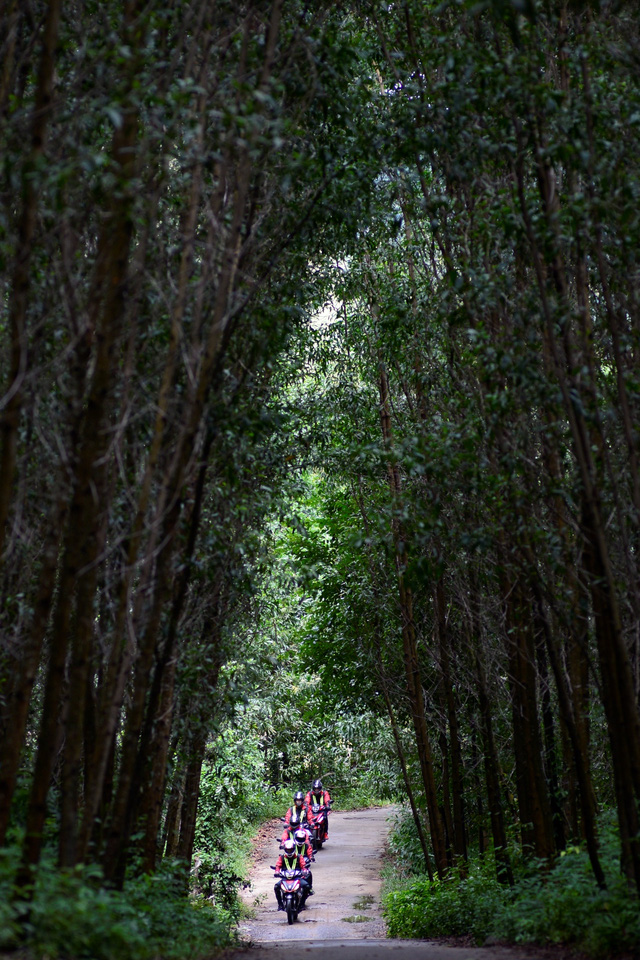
{"points": [[299, 807], [290, 859], [295, 823], [319, 795], [302, 841]]}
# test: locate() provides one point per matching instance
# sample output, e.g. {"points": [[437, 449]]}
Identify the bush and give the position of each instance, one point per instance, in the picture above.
{"points": [[357, 798], [405, 848], [566, 906], [72, 915], [450, 907], [558, 905]]}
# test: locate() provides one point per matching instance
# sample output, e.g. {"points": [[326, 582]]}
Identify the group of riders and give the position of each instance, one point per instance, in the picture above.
{"points": [[301, 821]]}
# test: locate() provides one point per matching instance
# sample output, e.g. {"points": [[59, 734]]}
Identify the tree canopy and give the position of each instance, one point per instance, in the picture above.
{"points": [[319, 420]]}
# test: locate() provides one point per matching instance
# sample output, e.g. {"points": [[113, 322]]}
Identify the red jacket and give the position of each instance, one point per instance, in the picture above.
{"points": [[299, 861], [320, 798]]}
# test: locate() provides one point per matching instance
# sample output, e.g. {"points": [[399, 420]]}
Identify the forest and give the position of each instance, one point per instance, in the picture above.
{"points": [[319, 456]]}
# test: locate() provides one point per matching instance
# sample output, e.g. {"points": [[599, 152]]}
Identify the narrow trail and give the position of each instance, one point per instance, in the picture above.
{"points": [[346, 880], [343, 921]]}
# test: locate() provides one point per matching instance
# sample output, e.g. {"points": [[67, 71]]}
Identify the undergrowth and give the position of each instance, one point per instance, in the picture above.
{"points": [[72, 914], [558, 905]]}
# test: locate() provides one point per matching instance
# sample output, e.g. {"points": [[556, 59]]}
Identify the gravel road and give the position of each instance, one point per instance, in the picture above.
{"points": [[343, 920]]}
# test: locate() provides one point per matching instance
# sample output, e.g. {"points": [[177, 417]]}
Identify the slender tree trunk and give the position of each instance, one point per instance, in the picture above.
{"points": [[621, 712], [406, 778], [412, 670], [475, 760], [129, 777], [170, 834], [17, 707], [490, 756], [9, 21], [550, 750], [154, 745], [19, 299], [189, 810], [585, 787], [445, 806], [533, 798], [79, 674], [457, 787], [377, 652]]}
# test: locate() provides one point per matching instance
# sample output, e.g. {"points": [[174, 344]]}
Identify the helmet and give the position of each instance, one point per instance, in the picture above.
{"points": [[295, 821], [317, 785], [300, 836], [289, 848], [299, 796]]}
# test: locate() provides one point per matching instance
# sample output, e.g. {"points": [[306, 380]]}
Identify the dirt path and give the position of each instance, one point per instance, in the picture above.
{"points": [[343, 920]]}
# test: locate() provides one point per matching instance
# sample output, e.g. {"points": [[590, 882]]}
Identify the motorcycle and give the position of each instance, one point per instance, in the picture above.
{"points": [[291, 891], [319, 812]]}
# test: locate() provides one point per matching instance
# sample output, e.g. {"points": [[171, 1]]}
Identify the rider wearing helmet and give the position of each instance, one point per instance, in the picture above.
{"points": [[318, 795], [298, 807], [302, 841], [295, 823], [290, 859]]}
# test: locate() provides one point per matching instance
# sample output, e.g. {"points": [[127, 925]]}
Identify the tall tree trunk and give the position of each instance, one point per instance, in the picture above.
{"points": [[377, 653], [17, 706], [533, 798], [412, 670], [406, 778], [19, 299], [189, 809], [154, 746], [171, 830], [550, 750], [457, 787], [581, 766], [482, 843], [490, 756]]}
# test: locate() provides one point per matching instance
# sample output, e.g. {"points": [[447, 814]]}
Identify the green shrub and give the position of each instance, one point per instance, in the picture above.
{"points": [[405, 848], [8, 920], [72, 915], [357, 798], [223, 838], [566, 906], [451, 907], [558, 905]]}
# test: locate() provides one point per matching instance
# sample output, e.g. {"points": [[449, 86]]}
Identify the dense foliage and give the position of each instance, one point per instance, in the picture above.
{"points": [[559, 906], [73, 914], [319, 446]]}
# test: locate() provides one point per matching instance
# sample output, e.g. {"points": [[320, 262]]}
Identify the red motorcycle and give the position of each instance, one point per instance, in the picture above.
{"points": [[291, 892], [319, 832]]}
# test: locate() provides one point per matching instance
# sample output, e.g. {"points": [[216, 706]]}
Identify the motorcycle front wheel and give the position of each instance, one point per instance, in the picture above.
{"points": [[291, 912]]}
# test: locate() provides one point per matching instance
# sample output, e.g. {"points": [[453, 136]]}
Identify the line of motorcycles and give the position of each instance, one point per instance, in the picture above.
{"points": [[290, 886]]}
